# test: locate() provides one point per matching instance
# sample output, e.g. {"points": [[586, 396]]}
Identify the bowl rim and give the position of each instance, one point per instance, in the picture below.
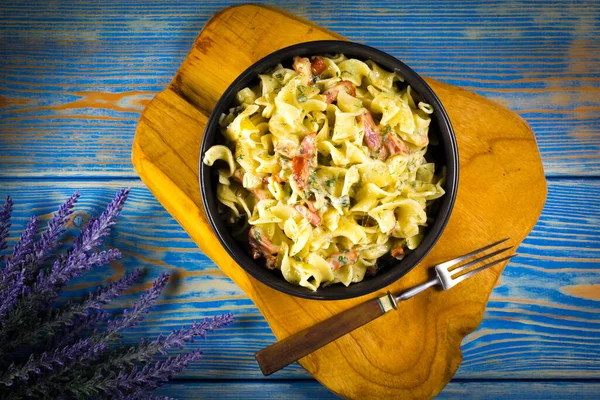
{"points": [[392, 273]]}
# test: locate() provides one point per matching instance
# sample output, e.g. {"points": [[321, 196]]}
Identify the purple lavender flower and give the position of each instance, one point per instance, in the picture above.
{"points": [[137, 382], [94, 301], [48, 284], [78, 260], [136, 314], [75, 315], [179, 337], [22, 250], [52, 361], [5, 222], [72, 365], [145, 350], [12, 277], [9, 295], [24, 247], [49, 239], [99, 227]]}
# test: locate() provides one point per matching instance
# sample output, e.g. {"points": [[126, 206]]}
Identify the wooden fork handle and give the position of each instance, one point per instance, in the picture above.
{"points": [[278, 355]]}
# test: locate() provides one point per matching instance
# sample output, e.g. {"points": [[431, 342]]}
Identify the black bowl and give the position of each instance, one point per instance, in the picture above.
{"points": [[444, 154]]}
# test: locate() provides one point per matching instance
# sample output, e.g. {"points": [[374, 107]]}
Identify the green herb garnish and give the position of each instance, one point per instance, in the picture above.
{"points": [[345, 201], [301, 96]]}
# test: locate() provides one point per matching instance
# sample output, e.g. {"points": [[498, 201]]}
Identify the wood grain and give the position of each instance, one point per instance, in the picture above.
{"points": [[541, 60], [303, 390], [532, 327], [284, 352], [421, 349]]}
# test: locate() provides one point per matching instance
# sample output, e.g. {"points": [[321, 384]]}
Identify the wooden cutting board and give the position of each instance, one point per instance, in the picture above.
{"points": [[410, 353]]}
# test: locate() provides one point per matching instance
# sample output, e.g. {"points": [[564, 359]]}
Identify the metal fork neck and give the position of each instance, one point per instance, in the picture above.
{"points": [[416, 290]]}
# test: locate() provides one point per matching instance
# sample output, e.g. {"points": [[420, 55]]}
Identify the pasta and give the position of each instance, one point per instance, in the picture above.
{"points": [[323, 170]]}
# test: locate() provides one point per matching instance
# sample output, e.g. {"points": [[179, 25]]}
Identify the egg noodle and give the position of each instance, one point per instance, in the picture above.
{"points": [[324, 169]]}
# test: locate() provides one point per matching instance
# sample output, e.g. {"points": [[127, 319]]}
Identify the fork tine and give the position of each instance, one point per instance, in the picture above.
{"points": [[460, 259], [483, 267], [455, 271]]}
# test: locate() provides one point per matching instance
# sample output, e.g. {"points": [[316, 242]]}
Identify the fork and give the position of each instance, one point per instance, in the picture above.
{"points": [[278, 355]]}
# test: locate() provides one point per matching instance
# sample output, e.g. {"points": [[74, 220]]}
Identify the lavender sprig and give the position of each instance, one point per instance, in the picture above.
{"points": [[25, 245], [9, 295], [78, 259], [100, 227], [130, 319], [145, 351], [48, 284], [5, 221], [70, 334], [42, 250], [22, 250], [134, 316], [12, 278], [66, 316], [51, 361], [135, 382], [62, 364], [72, 365]]}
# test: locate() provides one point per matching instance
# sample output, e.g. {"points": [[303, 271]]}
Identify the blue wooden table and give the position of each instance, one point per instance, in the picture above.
{"points": [[75, 75]]}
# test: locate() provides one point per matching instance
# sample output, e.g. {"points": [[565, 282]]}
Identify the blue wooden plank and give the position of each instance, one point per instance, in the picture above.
{"points": [[74, 76], [541, 321], [305, 390]]}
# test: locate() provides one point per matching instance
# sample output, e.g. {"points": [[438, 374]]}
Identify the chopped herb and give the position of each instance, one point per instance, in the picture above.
{"points": [[345, 201], [338, 145], [337, 73], [329, 183], [284, 123], [312, 178], [278, 75], [297, 258], [240, 157], [301, 96], [257, 234], [343, 259]]}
